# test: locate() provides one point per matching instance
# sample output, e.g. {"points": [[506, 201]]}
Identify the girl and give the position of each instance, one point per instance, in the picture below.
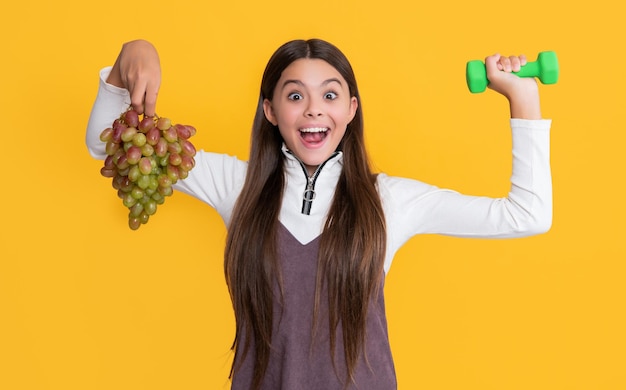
{"points": [[311, 230]]}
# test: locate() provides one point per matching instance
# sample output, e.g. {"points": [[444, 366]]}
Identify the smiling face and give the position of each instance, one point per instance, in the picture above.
{"points": [[312, 107]]}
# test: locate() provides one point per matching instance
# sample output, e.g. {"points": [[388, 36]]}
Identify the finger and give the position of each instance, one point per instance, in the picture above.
{"points": [[493, 61], [515, 63], [523, 60], [137, 95], [506, 63], [150, 100]]}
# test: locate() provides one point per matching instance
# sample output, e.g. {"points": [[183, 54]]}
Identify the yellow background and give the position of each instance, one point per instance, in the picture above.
{"points": [[86, 303]]}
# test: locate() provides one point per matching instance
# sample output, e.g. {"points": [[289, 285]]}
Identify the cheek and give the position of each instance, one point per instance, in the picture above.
{"points": [[289, 137], [285, 117], [343, 117]]}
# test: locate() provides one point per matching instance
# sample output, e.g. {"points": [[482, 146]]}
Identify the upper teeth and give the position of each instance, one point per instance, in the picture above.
{"points": [[314, 130]]}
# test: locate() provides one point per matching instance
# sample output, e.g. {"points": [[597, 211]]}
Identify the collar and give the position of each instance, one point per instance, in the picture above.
{"points": [[333, 163]]}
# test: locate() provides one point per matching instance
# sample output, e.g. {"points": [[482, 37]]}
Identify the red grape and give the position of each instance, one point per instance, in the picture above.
{"points": [[146, 124], [145, 165], [131, 118], [133, 154], [153, 135], [183, 131], [187, 148]]}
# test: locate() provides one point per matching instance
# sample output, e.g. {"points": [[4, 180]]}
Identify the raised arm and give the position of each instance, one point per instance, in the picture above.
{"points": [[413, 207]]}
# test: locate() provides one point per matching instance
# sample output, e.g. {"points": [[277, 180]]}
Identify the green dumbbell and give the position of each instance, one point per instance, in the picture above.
{"points": [[546, 68]]}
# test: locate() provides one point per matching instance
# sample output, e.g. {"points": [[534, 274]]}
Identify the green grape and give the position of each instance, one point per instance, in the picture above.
{"points": [[106, 134], [153, 184], [129, 200], [137, 193], [134, 173], [136, 209], [111, 147], [134, 222], [147, 150], [139, 139], [128, 134], [144, 217], [143, 181], [150, 207], [164, 180], [124, 172], [165, 191], [163, 161]]}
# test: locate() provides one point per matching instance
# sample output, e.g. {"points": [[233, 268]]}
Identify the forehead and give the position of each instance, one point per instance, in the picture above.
{"points": [[310, 71]]}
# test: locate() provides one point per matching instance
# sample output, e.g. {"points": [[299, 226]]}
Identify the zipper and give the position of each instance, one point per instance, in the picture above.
{"points": [[309, 191]]}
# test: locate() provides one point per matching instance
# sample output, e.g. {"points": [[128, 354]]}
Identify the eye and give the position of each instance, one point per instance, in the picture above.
{"points": [[294, 96], [330, 95]]}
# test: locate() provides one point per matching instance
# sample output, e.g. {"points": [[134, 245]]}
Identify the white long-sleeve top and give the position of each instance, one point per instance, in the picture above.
{"points": [[411, 207]]}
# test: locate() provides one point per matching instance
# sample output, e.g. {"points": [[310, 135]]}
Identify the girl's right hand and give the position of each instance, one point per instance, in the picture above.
{"points": [[138, 70]]}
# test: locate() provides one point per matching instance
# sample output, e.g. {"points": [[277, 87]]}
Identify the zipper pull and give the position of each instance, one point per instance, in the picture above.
{"points": [[308, 196], [309, 192]]}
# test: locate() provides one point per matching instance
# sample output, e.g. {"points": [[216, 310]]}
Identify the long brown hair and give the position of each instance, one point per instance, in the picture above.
{"points": [[352, 245]]}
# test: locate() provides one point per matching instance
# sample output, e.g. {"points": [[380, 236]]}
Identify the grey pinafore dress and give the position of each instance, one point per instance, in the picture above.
{"points": [[293, 364]]}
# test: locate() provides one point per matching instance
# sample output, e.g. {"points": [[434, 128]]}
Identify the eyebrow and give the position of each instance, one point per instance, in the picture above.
{"points": [[300, 83]]}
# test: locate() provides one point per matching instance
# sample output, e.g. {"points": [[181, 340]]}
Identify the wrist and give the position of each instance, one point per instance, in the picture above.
{"points": [[524, 102], [115, 77]]}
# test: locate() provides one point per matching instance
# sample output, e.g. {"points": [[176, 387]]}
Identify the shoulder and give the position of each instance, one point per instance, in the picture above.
{"points": [[221, 159], [395, 186]]}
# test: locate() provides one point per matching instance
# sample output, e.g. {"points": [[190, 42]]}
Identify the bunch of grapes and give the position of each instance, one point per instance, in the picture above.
{"points": [[145, 157]]}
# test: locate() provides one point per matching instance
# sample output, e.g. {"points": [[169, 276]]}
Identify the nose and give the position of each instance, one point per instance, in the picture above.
{"points": [[313, 109]]}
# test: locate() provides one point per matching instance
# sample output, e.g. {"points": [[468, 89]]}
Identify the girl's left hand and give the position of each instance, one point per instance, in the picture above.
{"points": [[501, 79], [521, 92]]}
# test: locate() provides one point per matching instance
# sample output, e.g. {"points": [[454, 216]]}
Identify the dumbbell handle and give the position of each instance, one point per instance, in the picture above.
{"points": [[531, 69], [546, 68]]}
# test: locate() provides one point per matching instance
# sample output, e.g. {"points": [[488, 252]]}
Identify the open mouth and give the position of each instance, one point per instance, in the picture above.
{"points": [[314, 135]]}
